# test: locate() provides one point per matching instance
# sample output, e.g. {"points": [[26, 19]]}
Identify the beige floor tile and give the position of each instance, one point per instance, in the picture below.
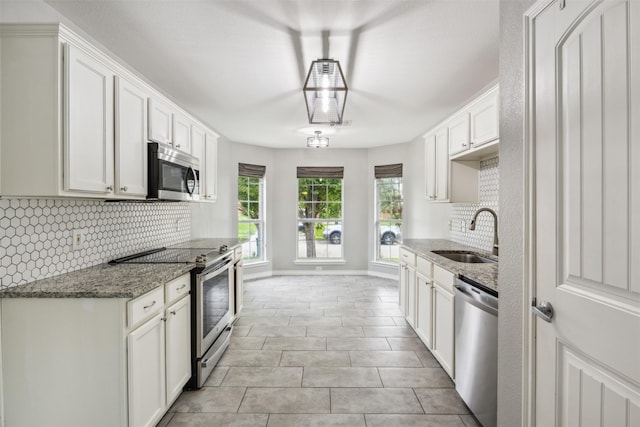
{"points": [[400, 321], [263, 321], [278, 331], [315, 358], [388, 331], [216, 377], [388, 420], [250, 358], [210, 399], [331, 331], [406, 344], [219, 420], [286, 401], [387, 312], [315, 321], [263, 377], [357, 344], [300, 312], [469, 421], [367, 321], [287, 305], [257, 312], [316, 420], [246, 343], [374, 400], [341, 377], [405, 359], [295, 343], [441, 401], [348, 313], [415, 377], [240, 331], [427, 359]]}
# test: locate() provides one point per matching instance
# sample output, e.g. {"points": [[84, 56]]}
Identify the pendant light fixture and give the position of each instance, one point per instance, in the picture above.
{"points": [[325, 92], [317, 141]]}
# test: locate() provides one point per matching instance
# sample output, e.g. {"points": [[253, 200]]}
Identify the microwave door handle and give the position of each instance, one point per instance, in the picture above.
{"points": [[191, 190]]}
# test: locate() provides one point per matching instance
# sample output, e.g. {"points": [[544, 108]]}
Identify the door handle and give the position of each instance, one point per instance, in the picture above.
{"points": [[543, 311]]}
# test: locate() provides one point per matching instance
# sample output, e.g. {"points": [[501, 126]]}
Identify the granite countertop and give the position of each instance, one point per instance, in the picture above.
{"points": [[485, 274], [101, 281], [113, 281]]}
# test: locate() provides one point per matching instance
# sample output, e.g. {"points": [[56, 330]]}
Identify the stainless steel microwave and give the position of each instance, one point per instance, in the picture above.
{"points": [[172, 175]]}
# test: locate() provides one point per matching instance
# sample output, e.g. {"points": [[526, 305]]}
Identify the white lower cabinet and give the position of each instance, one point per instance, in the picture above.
{"points": [[95, 361], [443, 328], [425, 310], [407, 284], [146, 371]]}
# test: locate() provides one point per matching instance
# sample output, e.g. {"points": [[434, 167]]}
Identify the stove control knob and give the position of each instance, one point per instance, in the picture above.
{"points": [[199, 259]]}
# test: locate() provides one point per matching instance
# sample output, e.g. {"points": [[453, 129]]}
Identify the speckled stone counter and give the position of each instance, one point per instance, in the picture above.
{"points": [[486, 274], [211, 243], [101, 281]]}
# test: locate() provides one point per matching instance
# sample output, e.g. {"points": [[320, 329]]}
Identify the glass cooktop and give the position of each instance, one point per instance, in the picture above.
{"points": [[168, 256]]}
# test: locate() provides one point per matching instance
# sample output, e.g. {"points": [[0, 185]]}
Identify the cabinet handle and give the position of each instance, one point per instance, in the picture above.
{"points": [[181, 287], [464, 144], [149, 306], [173, 312], [110, 188], [123, 188], [472, 142], [177, 145]]}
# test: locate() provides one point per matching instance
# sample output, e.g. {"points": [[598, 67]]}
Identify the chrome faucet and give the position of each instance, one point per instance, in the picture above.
{"points": [[472, 226]]}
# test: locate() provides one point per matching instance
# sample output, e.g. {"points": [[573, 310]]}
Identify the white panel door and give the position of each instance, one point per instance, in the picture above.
{"points": [[131, 139], [181, 133], [88, 148], [484, 120], [443, 328], [430, 166], [146, 371], [442, 165], [412, 297], [586, 213], [160, 122], [178, 346], [424, 309], [211, 163], [458, 129]]}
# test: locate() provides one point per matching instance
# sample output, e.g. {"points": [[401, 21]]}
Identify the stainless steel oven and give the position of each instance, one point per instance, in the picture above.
{"points": [[171, 174], [213, 305]]}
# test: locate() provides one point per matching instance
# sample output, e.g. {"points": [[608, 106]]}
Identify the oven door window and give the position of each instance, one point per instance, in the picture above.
{"points": [[215, 301]]}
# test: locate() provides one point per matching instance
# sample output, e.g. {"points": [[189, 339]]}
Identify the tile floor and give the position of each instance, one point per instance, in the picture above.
{"points": [[323, 351]]}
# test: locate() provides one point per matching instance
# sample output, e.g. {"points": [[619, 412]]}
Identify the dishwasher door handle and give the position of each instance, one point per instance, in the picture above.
{"points": [[467, 297]]}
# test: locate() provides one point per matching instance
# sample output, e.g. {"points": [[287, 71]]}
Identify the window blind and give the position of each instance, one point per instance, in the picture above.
{"points": [[251, 171], [320, 172], [389, 171]]}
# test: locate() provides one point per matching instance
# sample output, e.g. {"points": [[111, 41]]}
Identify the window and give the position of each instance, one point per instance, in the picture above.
{"points": [[251, 218], [319, 228], [389, 204]]}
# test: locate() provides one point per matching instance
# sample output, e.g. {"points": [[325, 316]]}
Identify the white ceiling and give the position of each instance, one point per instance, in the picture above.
{"points": [[239, 66]]}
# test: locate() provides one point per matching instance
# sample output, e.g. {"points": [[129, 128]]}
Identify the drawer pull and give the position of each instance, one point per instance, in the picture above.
{"points": [[181, 287], [173, 312], [146, 307]]}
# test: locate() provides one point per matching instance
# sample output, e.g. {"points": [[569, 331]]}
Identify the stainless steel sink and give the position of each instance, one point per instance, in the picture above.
{"points": [[468, 257]]}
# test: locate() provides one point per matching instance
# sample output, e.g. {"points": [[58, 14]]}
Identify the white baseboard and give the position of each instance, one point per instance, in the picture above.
{"points": [[265, 274]]}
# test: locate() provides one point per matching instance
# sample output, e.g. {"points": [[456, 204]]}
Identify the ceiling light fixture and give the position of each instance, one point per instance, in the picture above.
{"points": [[325, 92], [317, 141]]}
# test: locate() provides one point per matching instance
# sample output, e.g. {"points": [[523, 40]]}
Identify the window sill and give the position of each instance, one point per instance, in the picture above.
{"points": [[246, 264], [320, 261], [385, 263]]}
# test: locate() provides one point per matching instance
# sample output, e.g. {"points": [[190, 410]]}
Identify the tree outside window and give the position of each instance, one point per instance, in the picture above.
{"points": [[389, 207], [251, 217]]}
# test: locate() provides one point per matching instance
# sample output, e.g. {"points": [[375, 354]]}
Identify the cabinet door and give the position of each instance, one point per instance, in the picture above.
{"points": [[237, 274], [484, 120], [412, 297], [211, 163], [178, 347], [442, 166], [424, 310], [160, 122], [88, 124], [130, 139], [402, 288], [181, 133], [146, 370], [458, 134], [430, 166], [197, 151], [443, 328]]}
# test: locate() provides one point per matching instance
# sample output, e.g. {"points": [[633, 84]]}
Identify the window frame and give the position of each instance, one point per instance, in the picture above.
{"points": [[260, 223], [327, 221]]}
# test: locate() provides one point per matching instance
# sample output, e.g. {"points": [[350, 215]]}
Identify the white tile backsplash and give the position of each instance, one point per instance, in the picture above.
{"points": [[36, 241], [461, 213]]}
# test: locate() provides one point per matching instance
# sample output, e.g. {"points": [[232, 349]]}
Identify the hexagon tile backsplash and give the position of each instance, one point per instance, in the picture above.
{"points": [[36, 234], [461, 213]]}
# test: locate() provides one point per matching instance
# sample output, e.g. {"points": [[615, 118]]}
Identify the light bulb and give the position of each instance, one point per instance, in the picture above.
{"points": [[325, 80]]}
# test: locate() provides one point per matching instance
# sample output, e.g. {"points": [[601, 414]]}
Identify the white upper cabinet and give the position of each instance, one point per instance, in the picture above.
{"points": [[130, 139], [484, 119], [458, 129], [181, 133], [437, 165], [160, 121], [210, 191], [88, 142]]}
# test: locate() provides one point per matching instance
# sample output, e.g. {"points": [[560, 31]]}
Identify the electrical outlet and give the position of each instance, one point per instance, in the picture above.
{"points": [[79, 239]]}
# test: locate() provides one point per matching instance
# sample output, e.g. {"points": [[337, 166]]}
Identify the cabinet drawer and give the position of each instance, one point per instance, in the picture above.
{"points": [[237, 253], [177, 288], [145, 306], [425, 267], [444, 278], [407, 257]]}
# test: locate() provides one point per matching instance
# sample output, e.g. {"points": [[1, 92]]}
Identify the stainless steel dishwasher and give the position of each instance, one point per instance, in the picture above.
{"points": [[476, 350]]}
